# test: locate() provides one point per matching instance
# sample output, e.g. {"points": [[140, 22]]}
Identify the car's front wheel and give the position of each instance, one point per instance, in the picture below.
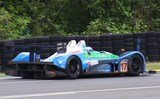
{"points": [[73, 69], [135, 65]]}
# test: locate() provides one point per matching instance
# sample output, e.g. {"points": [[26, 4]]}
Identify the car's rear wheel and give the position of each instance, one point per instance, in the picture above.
{"points": [[135, 65], [73, 69]]}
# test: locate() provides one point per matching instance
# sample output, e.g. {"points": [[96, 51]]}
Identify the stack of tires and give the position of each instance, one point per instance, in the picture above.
{"points": [[139, 42], [30, 41], [7, 51], [94, 42], [106, 43], [43, 51], [66, 39], [53, 40], [128, 42], [117, 43], [19, 49], [152, 46], [158, 42], [78, 38], [1, 52], [22, 45]]}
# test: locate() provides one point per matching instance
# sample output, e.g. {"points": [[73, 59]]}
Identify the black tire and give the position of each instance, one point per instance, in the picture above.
{"points": [[135, 65], [19, 42], [128, 40], [96, 48], [150, 34], [106, 37], [78, 38], [55, 38], [153, 57], [42, 39], [152, 52], [117, 42], [94, 43], [152, 46], [151, 40], [117, 37], [74, 67], [128, 36], [138, 35], [105, 43], [129, 48], [45, 55], [128, 44], [94, 38], [30, 40], [109, 49]]}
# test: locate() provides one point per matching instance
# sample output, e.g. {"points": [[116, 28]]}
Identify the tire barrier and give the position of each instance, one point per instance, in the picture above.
{"points": [[105, 43], [149, 44], [117, 43]]}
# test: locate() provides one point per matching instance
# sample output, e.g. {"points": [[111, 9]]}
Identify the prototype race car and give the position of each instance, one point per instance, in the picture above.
{"points": [[75, 60]]}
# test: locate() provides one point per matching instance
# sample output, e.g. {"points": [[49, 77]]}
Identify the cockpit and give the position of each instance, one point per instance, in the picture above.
{"points": [[73, 47]]}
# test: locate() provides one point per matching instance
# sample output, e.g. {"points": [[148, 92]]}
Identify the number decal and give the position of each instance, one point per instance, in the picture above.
{"points": [[123, 66]]}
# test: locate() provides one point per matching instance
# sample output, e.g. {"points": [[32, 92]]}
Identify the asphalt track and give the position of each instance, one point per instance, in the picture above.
{"points": [[104, 87]]}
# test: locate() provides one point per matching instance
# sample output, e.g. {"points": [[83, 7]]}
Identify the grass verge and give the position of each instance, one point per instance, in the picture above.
{"points": [[153, 65], [2, 75]]}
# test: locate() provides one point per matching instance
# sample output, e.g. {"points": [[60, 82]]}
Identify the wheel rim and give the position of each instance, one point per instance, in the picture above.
{"points": [[74, 67], [136, 64]]}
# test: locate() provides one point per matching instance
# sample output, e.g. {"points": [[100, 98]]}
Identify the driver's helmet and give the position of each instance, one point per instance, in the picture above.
{"points": [[89, 48]]}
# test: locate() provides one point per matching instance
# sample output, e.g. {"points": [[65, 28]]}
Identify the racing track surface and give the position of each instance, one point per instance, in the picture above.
{"points": [[109, 87]]}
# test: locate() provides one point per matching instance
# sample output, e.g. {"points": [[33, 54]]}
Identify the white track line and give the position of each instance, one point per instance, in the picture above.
{"points": [[3, 78], [76, 92]]}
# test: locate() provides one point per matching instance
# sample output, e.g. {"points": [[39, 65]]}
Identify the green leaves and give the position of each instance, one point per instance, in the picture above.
{"points": [[23, 18], [12, 26]]}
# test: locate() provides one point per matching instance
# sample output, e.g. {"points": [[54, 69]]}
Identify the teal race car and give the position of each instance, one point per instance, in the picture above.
{"points": [[73, 60]]}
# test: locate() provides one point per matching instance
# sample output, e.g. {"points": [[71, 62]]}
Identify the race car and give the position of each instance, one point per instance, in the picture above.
{"points": [[74, 60]]}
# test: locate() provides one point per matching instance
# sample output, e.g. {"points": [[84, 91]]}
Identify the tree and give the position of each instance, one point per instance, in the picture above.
{"points": [[22, 18], [12, 25]]}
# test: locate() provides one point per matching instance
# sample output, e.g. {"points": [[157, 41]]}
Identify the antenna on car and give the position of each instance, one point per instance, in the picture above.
{"points": [[138, 44]]}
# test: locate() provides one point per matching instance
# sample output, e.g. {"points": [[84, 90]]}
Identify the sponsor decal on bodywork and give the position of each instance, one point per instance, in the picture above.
{"points": [[99, 68], [104, 68], [93, 62]]}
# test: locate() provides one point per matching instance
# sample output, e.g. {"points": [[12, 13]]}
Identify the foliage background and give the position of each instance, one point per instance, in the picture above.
{"points": [[26, 18]]}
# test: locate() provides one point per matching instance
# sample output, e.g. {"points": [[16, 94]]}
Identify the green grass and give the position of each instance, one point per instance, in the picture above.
{"points": [[153, 66], [2, 75]]}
